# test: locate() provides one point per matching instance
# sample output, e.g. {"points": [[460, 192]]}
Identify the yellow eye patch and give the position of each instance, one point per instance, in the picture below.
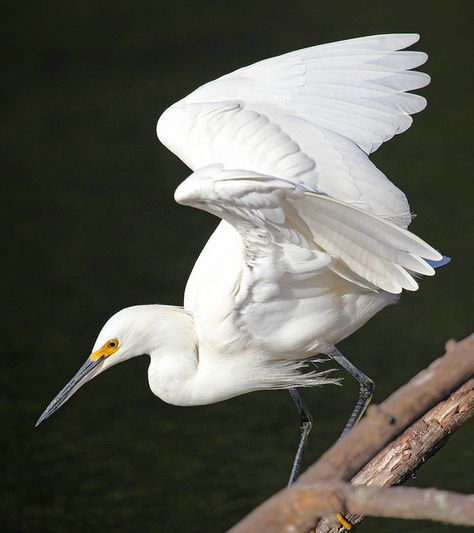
{"points": [[109, 348]]}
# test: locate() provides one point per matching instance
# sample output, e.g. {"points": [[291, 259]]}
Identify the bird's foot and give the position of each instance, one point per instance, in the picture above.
{"points": [[345, 524]]}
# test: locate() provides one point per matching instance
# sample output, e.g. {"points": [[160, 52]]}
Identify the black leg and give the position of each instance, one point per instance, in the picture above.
{"points": [[305, 427], [365, 392]]}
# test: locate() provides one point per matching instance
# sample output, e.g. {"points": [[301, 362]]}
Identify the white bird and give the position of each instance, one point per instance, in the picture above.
{"points": [[313, 239]]}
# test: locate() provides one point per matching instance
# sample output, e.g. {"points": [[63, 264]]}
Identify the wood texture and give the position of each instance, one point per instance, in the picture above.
{"points": [[407, 406], [405, 455]]}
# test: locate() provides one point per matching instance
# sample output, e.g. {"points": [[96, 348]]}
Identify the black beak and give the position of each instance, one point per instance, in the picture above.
{"points": [[87, 371]]}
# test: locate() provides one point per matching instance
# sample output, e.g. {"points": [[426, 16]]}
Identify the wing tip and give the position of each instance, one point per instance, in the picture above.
{"points": [[405, 39], [393, 41], [422, 103], [421, 56], [424, 80], [412, 38]]}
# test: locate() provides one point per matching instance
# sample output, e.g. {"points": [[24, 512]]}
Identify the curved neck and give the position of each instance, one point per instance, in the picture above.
{"points": [[183, 373], [174, 357]]}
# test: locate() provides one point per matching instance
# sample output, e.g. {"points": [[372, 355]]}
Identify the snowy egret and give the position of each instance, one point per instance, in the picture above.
{"points": [[313, 239]]}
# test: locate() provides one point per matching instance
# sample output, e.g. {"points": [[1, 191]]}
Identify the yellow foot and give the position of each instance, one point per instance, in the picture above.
{"points": [[345, 524]]}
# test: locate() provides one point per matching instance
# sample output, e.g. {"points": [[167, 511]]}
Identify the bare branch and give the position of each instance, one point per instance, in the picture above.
{"points": [[405, 455], [381, 425], [399, 502]]}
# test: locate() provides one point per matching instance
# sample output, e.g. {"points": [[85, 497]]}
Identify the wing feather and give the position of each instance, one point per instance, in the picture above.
{"points": [[363, 71], [269, 212], [310, 115]]}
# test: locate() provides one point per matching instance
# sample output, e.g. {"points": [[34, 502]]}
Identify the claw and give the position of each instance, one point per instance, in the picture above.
{"points": [[345, 524]]}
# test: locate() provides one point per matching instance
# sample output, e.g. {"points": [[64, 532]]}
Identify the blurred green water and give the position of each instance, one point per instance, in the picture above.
{"points": [[92, 227]]}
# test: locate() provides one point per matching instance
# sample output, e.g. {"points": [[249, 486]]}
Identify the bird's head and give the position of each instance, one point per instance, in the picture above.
{"points": [[124, 335]]}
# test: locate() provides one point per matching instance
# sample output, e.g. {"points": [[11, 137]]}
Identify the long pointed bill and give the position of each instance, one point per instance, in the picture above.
{"points": [[87, 371]]}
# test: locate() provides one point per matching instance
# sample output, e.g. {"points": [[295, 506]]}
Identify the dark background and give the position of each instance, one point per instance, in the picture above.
{"points": [[91, 227]]}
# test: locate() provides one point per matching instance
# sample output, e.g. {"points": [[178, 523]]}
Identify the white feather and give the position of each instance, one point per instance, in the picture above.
{"points": [[313, 238], [270, 212]]}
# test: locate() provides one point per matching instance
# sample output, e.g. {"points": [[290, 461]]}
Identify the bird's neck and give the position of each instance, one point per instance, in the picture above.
{"points": [[182, 372], [174, 359]]}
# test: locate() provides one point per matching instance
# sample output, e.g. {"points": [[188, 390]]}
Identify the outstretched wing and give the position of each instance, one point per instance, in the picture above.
{"points": [[276, 216], [310, 116]]}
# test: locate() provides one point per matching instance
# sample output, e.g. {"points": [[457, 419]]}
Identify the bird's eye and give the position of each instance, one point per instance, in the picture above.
{"points": [[113, 343]]}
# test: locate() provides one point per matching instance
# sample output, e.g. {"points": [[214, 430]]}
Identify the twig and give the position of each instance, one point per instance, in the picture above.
{"points": [[381, 425], [308, 502]]}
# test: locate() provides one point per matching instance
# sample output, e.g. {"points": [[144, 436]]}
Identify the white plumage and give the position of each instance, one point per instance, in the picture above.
{"points": [[313, 239], [308, 116]]}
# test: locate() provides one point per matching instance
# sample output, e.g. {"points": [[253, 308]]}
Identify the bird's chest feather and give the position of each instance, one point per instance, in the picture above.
{"points": [[284, 303]]}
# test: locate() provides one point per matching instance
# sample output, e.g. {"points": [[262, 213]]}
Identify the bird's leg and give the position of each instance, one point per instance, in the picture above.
{"points": [[306, 423], [365, 395], [365, 392]]}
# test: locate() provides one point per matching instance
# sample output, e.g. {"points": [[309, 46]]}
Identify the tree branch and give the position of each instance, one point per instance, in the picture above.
{"points": [[382, 424], [404, 456], [398, 502]]}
